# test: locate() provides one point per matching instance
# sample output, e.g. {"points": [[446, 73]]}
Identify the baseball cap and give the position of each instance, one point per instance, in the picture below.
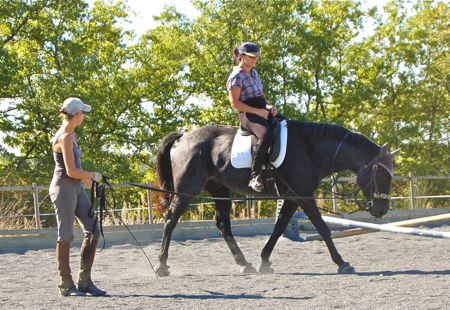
{"points": [[249, 48], [73, 106]]}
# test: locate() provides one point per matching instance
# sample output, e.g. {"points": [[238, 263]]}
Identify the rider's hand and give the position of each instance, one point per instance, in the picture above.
{"points": [[97, 177], [263, 113], [273, 111]]}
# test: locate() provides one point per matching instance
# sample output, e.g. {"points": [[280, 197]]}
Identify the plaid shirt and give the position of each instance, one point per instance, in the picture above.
{"points": [[250, 85]]}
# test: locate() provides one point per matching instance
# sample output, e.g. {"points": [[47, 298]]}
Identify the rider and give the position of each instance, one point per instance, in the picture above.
{"points": [[246, 95], [70, 200]]}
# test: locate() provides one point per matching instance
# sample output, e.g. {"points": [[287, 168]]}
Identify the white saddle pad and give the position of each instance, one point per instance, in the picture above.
{"points": [[241, 151]]}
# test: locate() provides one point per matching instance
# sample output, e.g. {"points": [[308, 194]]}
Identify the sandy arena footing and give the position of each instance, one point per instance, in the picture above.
{"points": [[393, 272]]}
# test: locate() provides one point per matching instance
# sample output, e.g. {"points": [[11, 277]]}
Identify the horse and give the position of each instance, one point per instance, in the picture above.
{"points": [[200, 159]]}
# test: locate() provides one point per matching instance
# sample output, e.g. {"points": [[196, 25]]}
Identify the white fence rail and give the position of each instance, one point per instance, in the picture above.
{"points": [[34, 188]]}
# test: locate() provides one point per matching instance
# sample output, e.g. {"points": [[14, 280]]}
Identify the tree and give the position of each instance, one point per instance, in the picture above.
{"points": [[61, 49]]}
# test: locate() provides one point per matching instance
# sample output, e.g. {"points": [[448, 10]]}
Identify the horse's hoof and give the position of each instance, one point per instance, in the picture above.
{"points": [[162, 271], [248, 268], [345, 268], [265, 268]]}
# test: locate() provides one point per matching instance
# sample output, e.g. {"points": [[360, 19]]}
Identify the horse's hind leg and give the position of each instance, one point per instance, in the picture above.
{"points": [[177, 207], [223, 223]]}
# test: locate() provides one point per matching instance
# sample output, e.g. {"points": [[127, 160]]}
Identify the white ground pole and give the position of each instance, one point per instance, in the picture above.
{"points": [[387, 227], [406, 223], [292, 230]]}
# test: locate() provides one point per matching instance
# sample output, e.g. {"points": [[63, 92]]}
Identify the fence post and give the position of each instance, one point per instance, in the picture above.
{"points": [[37, 215], [412, 193], [249, 205], [149, 204], [334, 191], [253, 212]]}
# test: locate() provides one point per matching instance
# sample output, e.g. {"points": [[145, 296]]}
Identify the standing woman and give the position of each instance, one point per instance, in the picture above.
{"points": [[70, 200], [246, 95]]}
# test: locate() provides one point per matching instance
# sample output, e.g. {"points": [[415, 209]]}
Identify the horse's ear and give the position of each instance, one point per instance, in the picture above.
{"points": [[392, 154], [384, 150]]}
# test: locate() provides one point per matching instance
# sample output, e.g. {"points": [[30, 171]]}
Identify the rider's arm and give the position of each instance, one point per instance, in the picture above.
{"points": [[234, 94]]}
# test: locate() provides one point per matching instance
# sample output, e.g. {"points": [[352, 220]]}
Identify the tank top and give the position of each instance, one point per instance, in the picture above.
{"points": [[60, 167]]}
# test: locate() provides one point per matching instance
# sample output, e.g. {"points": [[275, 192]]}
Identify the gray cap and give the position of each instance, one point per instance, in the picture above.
{"points": [[73, 106]]}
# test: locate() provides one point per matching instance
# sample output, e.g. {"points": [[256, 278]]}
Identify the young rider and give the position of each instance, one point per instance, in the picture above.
{"points": [[246, 96]]}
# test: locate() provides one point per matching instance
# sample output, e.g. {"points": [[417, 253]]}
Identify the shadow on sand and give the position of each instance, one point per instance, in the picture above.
{"points": [[387, 273], [211, 295]]}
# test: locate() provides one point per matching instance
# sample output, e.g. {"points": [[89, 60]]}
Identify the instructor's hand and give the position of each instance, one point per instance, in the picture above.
{"points": [[97, 177]]}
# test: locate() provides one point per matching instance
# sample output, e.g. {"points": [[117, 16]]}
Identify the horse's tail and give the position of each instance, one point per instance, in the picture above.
{"points": [[164, 167]]}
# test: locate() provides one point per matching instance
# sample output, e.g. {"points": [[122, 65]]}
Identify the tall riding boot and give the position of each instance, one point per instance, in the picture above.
{"points": [[66, 287], [259, 159], [87, 255]]}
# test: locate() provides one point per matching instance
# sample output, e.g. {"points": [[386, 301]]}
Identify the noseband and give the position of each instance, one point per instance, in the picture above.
{"points": [[374, 193]]}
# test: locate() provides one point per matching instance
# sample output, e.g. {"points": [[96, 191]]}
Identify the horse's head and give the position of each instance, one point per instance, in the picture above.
{"points": [[374, 179]]}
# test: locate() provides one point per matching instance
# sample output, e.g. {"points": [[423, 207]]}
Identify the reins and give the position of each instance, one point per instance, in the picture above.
{"points": [[98, 190], [296, 197], [268, 198]]}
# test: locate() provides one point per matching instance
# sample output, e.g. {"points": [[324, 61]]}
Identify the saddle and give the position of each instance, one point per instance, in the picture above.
{"points": [[241, 151]]}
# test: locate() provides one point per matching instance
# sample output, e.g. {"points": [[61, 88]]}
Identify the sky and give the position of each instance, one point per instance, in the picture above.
{"points": [[144, 10]]}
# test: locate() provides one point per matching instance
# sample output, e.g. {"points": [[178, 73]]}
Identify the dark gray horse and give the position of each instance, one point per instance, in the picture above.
{"points": [[201, 159]]}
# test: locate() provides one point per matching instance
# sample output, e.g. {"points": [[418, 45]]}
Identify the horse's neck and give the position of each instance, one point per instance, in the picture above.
{"points": [[352, 158], [335, 148]]}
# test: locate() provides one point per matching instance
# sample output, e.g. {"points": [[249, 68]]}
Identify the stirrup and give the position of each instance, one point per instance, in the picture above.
{"points": [[256, 184]]}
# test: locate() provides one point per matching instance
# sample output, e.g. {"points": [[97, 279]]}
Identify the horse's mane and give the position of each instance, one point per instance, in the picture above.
{"points": [[323, 131]]}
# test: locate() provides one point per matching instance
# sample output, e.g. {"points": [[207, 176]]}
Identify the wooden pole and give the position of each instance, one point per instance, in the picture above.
{"points": [[334, 191], [406, 223], [149, 204], [411, 191]]}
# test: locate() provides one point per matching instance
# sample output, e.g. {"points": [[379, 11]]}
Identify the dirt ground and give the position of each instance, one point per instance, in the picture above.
{"points": [[393, 272]]}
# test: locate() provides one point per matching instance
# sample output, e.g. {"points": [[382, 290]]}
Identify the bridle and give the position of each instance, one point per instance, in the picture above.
{"points": [[374, 192]]}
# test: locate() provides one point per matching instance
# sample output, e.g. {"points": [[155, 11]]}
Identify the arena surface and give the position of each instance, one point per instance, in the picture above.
{"points": [[393, 272]]}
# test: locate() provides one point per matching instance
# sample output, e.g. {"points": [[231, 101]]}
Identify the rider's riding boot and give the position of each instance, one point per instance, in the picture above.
{"points": [[87, 255], [66, 287], [259, 159]]}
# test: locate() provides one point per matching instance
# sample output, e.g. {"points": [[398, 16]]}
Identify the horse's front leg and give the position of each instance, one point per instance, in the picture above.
{"points": [[286, 212], [314, 216]]}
